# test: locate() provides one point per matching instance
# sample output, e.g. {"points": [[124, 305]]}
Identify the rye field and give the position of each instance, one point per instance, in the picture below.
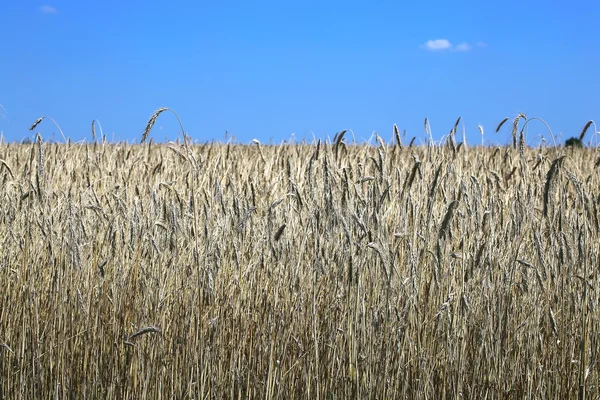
{"points": [[326, 270]]}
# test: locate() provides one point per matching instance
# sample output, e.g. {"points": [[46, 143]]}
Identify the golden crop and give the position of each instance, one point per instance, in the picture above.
{"points": [[298, 271]]}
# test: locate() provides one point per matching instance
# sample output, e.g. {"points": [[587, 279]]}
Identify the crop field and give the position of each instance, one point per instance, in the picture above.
{"points": [[317, 271]]}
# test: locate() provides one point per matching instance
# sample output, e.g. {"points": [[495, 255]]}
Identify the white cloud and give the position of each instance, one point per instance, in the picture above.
{"points": [[438, 44], [46, 9], [463, 47], [445, 45]]}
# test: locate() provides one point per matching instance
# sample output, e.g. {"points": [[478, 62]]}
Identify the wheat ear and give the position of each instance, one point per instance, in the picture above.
{"points": [[500, 124], [550, 178], [585, 128]]}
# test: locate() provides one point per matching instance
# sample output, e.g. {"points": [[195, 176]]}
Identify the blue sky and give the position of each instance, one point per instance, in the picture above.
{"points": [[282, 70]]}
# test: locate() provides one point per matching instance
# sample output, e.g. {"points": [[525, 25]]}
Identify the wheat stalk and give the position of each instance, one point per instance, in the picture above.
{"points": [[151, 123], [445, 227], [428, 133], [585, 128], [7, 168], [338, 139], [522, 144], [455, 128], [40, 119], [40, 153], [550, 181], [500, 124], [143, 331], [515, 127], [384, 258], [397, 136], [94, 122], [480, 128], [279, 232], [36, 123]]}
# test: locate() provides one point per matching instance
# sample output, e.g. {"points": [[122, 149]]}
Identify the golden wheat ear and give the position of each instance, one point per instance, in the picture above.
{"points": [[151, 123], [515, 127], [397, 136]]}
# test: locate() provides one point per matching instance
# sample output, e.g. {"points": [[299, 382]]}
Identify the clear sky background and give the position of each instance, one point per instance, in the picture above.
{"points": [[281, 70]]}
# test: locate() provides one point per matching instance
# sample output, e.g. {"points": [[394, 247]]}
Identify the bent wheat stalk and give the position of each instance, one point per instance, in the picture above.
{"points": [[39, 121]]}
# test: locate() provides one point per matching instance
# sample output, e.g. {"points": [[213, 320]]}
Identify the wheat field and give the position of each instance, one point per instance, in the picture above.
{"points": [[317, 271]]}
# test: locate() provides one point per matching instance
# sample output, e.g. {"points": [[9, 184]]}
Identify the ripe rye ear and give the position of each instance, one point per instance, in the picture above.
{"points": [[36, 123], [550, 181], [585, 128], [279, 232], [456, 126], [444, 229], [515, 127], [151, 123], [338, 140], [397, 136], [500, 124]]}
